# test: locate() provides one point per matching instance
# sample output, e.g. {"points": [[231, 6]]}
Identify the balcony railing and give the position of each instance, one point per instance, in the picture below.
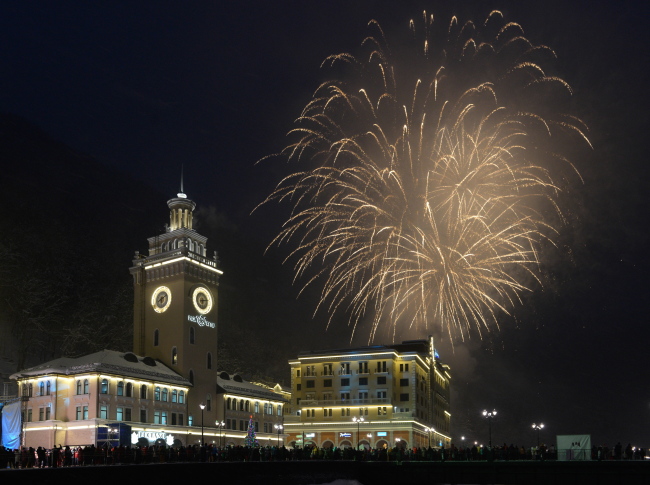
{"points": [[344, 402]]}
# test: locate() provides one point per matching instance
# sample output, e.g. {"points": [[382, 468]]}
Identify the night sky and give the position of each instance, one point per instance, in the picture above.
{"points": [[146, 87]]}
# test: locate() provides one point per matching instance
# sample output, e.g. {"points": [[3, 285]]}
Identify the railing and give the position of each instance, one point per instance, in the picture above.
{"points": [[344, 402]]}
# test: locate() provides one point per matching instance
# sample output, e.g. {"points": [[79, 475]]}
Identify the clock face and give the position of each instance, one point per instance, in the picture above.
{"points": [[202, 300], [161, 299]]}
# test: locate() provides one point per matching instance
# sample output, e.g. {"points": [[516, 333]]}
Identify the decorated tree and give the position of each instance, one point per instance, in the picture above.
{"points": [[250, 435]]}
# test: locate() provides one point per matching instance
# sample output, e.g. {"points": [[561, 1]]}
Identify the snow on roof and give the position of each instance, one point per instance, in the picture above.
{"points": [[109, 362]]}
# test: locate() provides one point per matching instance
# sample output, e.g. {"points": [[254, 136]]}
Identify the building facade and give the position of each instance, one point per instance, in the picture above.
{"points": [[379, 396]]}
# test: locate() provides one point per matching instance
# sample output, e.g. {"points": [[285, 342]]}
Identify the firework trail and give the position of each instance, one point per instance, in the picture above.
{"points": [[425, 182]]}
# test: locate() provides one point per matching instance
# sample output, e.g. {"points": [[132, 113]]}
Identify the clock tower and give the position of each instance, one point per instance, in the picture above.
{"points": [[175, 306]]}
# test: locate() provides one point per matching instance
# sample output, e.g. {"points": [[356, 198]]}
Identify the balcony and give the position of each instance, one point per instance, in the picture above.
{"points": [[345, 402]]}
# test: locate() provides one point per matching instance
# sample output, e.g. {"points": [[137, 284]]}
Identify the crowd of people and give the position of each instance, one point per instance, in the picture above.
{"points": [[113, 455]]}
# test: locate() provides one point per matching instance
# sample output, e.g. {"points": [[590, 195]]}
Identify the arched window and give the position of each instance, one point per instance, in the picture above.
{"points": [[174, 395], [120, 388], [191, 379], [241, 405], [181, 397], [174, 356], [156, 336], [279, 410], [234, 404], [270, 408], [266, 408], [191, 335], [78, 387], [41, 388], [228, 402], [156, 394], [163, 397], [257, 407], [248, 406], [30, 389], [143, 391], [104, 388], [209, 360], [86, 387], [208, 402], [129, 389], [48, 388]]}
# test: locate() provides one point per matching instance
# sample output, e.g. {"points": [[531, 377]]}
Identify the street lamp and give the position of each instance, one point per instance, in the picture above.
{"points": [[538, 427], [429, 431], [220, 425], [489, 415], [202, 406], [358, 420], [279, 427]]}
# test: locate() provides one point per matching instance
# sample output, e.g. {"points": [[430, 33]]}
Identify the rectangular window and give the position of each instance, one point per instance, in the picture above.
{"points": [[103, 411], [363, 395], [190, 419], [29, 415], [363, 367], [85, 412], [327, 369], [403, 382], [381, 394], [181, 419], [163, 417], [41, 414], [297, 372], [127, 414], [119, 414], [327, 383], [345, 381], [156, 417], [381, 366], [228, 424], [298, 387], [143, 415], [403, 397], [345, 369], [381, 380], [311, 384], [265, 430], [47, 413], [173, 419], [345, 396], [363, 381]]}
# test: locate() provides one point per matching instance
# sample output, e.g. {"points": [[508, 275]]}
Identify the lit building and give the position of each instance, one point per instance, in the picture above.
{"points": [[168, 389], [378, 396]]}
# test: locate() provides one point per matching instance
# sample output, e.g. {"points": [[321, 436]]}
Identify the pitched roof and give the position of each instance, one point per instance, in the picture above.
{"points": [[125, 364], [236, 385]]}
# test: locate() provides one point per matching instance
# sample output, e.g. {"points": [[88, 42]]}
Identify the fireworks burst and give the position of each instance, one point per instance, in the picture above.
{"points": [[426, 180]]}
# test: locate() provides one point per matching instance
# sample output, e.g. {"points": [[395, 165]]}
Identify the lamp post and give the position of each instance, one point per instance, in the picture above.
{"points": [[220, 425], [429, 431], [202, 406], [489, 415], [538, 427], [279, 427], [358, 420]]}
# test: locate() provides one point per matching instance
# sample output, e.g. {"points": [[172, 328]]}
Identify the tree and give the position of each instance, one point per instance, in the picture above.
{"points": [[251, 440]]}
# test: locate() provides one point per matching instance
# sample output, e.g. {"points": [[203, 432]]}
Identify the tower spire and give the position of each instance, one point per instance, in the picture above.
{"points": [[181, 194]]}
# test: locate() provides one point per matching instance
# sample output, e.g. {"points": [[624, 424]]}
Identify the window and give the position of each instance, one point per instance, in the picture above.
{"points": [[192, 334], [190, 420], [41, 389], [127, 414], [381, 394], [79, 415], [181, 419], [270, 408], [228, 424], [143, 415], [403, 397], [129, 389], [266, 408], [363, 381], [103, 411], [143, 392], [345, 369], [86, 387], [79, 387], [174, 356], [164, 395], [382, 410], [104, 387], [381, 380], [363, 367], [241, 405], [248, 406], [208, 402], [327, 383], [279, 410], [29, 415], [327, 413], [174, 419], [403, 382], [345, 381], [156, 417], [381, 366], [327, 369], [181, 397], [403, 367], [85, 412], [156, 394], [156, 335], [257, 407], [228, 403], [311, 384], [363, 395], [209, 360], [175, 396], [345, 411], [48, 387], [120, 388], [47, 413], [298, 387], [266, 428], [345, 396], [297, 372], [119, 414]]}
